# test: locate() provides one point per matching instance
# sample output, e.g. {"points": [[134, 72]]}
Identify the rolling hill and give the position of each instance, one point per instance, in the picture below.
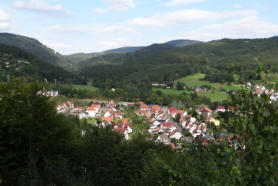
{"points": [[36, 48], [83, 57], [17, 62], [182, 42], [220, 60]]}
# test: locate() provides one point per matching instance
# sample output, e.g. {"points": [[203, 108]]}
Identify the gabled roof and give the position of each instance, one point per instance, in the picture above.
{"points": [[107, 119], [168, 124], [172, 109], [143, 106], [203, 109], [155, 107], [221, 108]]}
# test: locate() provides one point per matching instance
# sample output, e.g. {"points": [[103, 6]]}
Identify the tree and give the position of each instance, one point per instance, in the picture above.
{"points": [[180, 85], [32, 135]]}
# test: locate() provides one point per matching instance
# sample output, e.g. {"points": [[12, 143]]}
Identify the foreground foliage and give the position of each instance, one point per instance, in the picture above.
{"points": [[39, 147]]}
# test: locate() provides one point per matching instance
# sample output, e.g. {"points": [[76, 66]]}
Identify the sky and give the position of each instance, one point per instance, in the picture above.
{"points": [[72, 26]]}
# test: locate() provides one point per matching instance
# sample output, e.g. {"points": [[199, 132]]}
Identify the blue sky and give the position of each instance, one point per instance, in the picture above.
{"points": [[71, 26]]}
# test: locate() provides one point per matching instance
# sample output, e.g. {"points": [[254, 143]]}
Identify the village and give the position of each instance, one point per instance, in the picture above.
{"points": [[166, 125]]}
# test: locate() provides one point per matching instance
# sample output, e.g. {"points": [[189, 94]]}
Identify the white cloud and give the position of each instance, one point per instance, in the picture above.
{"points": [[180, 2], [4, 26], [4, 16], [236, 6], [96, 29], [100, 11], [247, 27], [188, 16], [41, 6], [120, 5], [4, 21]]}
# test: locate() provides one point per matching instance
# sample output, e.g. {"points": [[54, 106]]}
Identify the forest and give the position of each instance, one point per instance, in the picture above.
{"points": [[40, 147], [32, 67], [220, 60]]}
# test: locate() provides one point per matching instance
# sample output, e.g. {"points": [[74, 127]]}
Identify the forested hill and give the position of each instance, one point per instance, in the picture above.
{"points": [[35, 47], [182, 42], [165, 63], [17, 62]]}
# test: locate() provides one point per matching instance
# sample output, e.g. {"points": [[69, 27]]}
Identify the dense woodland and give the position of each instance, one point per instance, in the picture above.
{"points": [[221, 60], [40, 147], [35, 68]]}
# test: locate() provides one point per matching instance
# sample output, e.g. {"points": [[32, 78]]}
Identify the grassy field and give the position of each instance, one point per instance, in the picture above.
{"points": [[195, 80], [218, 94], [85, 87], [215, 96]]}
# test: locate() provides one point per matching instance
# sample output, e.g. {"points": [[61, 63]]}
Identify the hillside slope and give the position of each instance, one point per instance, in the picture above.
{"points": [[16, 62], [35, 47], [165, 63]]}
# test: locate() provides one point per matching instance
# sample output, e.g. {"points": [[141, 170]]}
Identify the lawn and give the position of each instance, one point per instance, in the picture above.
{"points": [[194, 81], [85, 87], [218, 93], [215, 96]]}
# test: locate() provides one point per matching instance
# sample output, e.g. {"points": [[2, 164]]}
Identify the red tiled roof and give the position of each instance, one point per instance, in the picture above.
{"points": [[221, 107], [167, 124], [172, 109], [107, 119], [155, 107], [144, 106]]}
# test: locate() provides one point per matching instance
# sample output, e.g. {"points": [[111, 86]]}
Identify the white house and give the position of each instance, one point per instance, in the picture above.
{"points": [[176, 135]]}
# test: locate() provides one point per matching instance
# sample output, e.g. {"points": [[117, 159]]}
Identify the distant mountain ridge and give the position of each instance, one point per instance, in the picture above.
{"points": [[182, 42], [124, 49], [35, 47], [82, 57]]}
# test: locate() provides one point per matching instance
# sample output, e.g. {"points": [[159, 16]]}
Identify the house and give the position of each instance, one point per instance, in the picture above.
{"points": [[171, 109], [61, 109], [176, 135], [83, 115], [107, 120], [248, 85], [214, 121], [204, 111], [93, 110], [108, 113], [220, 109], [144, 107], [155, 108], [70, 104], [124, 128], [167, 127], [231, 109], [147, 114], [119, 115], [163, 138], [77, 109]]}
